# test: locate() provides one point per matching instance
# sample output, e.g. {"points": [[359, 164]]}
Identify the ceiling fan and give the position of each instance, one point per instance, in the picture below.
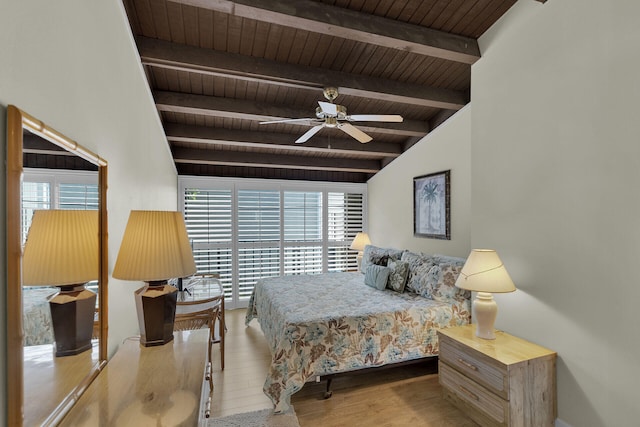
{"points": [[335, 116]]}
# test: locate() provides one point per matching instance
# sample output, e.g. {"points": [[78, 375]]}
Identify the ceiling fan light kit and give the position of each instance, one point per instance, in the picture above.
{"points": [[333, 115]]}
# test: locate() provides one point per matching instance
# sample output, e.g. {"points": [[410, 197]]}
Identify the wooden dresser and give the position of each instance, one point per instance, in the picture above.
{"points": [[163, 385], [503, 382]]}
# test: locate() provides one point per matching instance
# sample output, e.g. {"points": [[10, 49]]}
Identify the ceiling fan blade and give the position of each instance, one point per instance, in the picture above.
{"points": [[310, 120], [328, 108], [375, 118], [308, 134], [354, 132]]}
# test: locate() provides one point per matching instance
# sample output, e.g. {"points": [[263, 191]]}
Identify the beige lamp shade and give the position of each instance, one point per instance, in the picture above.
{"points": [[155, 247], [484, 272], [360, 241], [61, 248]]}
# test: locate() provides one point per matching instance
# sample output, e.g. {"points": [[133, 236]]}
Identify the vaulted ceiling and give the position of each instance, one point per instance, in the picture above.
{"points": [[218, 68]]}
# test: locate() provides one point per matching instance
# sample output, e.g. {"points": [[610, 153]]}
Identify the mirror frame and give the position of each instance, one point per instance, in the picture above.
{"points": [[17, 121]]}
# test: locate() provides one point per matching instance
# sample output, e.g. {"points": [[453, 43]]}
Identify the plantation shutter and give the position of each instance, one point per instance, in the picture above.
{"points": [[78, 196], [258, 237], [345, 220], [302, 232], [35, 196], [208, 218]]}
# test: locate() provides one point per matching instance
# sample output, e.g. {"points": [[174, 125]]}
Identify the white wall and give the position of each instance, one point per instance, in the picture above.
{"points": [[73, 65], [556, 164], [390, 191]]}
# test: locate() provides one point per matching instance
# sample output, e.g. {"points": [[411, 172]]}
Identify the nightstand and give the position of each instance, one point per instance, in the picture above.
{"points": [[503, 382]]}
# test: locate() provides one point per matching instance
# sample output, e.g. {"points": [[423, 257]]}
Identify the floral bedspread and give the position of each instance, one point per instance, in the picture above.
{"points": [[36, 320], [330, 323]]}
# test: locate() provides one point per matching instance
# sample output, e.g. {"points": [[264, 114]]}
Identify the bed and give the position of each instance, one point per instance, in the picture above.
{"points": [[324, 324]]}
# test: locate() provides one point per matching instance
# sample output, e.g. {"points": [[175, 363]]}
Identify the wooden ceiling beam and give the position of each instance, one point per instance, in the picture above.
{"points": [[335, 21], [214, 106], [410, 142], [263, 160], [277, 141], [163, 54], [440, 117]]}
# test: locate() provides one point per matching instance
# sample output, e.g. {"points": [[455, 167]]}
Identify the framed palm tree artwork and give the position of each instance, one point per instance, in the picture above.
{"points": [[431, 206]]}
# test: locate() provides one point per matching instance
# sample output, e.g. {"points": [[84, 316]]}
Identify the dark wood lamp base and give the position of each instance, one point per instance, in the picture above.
{"points": [[156, 307], [72, 315]]}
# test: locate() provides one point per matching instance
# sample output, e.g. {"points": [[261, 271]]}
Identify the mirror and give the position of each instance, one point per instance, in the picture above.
{"points": [[41, 386]]}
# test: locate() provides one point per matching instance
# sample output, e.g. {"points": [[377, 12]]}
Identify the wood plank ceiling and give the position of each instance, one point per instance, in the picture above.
{"points": [[217, 68]]}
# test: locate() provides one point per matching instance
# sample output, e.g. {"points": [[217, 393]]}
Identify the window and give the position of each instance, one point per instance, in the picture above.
{"points": [[345, 220], [208, 215], [258, 253], [302, 232], [248, 229], [78, 196], [57, 189], [35, 196]]}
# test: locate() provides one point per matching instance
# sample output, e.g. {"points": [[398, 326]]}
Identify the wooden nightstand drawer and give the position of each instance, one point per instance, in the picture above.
{"points": [[475, 395], [474, 365]]}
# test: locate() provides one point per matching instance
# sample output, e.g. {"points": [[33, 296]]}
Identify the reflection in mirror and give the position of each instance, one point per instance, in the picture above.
{"points": [[50, 178]]}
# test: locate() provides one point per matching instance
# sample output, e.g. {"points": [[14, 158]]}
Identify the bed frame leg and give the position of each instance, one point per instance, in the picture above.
{"points": [[328, 393]]}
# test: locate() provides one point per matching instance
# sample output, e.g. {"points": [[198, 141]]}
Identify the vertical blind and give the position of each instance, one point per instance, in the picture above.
{"points": [[245, 234]]}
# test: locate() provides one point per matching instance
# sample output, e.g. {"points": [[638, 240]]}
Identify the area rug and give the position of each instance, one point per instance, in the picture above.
{"points": [[262, 418]]}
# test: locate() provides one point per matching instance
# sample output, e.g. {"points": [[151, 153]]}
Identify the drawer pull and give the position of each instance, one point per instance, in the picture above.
{"points": [[468, 365], [468, 393], [207, 411], [207, 375]]}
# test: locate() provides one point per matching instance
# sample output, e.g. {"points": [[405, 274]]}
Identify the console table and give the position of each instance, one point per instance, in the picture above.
{"points": [[162, 385], [51, 383]]}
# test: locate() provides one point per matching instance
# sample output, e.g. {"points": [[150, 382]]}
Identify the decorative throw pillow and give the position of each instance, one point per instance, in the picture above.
{"points": [[379, 256], [446, 259], [399, 270], [376, 276], [441, 284], [419, 266]]}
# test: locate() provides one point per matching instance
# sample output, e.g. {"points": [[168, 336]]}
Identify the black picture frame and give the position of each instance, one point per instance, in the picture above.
{"points": [[432, 205]]}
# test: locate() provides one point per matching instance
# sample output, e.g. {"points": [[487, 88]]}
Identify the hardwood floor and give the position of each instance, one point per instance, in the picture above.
{"points": [[239, 387], [405, 396]]}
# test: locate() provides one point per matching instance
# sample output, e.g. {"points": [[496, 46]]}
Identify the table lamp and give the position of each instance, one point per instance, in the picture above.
{"points": [[359, 242], [155, 248], [484, 273], [62, 250]]}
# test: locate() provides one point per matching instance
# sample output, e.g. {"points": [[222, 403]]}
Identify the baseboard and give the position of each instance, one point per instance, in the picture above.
{"points": [[560, 423]]}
